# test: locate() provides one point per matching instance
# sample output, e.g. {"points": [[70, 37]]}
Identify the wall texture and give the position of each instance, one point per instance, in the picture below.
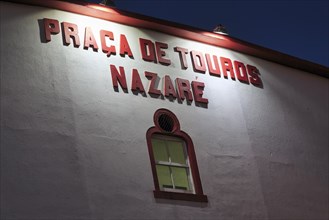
{"points": [[74, 148]]}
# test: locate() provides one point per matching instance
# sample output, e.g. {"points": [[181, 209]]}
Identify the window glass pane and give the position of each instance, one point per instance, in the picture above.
{"points": [[159, 150], [164, 178], [180, 178], [176, 152]]}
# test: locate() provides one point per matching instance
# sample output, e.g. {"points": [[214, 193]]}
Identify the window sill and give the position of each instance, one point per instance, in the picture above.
{"points": [[180, 196]]}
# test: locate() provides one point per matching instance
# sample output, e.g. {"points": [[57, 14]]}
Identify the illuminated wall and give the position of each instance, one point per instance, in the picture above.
{"points": [[74, 147]]}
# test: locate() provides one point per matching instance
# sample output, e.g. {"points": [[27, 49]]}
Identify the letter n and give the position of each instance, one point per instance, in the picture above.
{"points": [[118, 78]]}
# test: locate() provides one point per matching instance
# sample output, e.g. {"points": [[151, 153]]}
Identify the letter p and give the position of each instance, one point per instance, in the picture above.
{"points": [[51, 26]]}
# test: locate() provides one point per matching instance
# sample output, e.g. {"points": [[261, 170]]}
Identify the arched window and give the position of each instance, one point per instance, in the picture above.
{"points": [[173, 161]]}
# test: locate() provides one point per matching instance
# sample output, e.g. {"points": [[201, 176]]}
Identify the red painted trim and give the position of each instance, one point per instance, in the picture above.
{"points": [[149, 134], [180, 196], [179, 30], [198, 196]]}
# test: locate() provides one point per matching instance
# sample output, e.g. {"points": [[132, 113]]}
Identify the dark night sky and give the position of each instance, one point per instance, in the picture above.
{"points": [[297, 28]]}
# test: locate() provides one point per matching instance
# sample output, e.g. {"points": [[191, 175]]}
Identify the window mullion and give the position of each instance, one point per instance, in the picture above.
{"points": [[169, 165], [172, 178]]}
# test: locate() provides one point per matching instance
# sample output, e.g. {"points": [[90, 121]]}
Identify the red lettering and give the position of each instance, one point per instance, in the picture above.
{"points": [[254, 76], [198, 62], [169, 89], [51, 26], [214, 71], [162, 53], [197, 88], [118, 77], [90, 40], [241, 72], [227, 66], [70, 31], [147, 50], [184, 89], [124, 47], [182, 56], [136, 82], [108, 50], [152, 88]]}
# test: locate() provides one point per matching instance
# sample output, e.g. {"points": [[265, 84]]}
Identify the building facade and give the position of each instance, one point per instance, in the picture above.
{"points": [[107, 114]]}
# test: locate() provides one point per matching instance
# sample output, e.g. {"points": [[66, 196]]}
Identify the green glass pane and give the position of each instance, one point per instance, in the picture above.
{"points": [[164, 178], [159, 150], [176, 152], [180, 178]]}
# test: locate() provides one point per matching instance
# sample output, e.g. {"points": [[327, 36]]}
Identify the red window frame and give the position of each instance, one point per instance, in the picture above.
{"points": [[198, 196]]}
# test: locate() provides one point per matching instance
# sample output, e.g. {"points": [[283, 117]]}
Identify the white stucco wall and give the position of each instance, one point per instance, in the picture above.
{"points": [[73, 148]]}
